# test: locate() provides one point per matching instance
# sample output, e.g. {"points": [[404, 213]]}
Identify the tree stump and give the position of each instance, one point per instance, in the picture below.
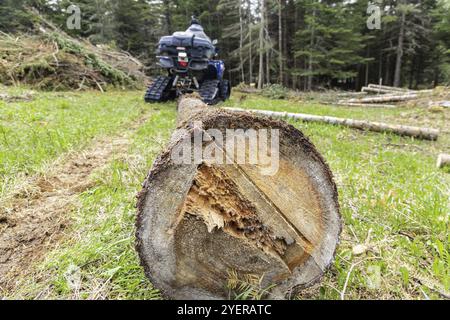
{"points": [[198, 223]]}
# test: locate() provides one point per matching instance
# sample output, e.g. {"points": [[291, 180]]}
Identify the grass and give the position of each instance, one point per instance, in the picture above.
{"points": [[393, 201], [35, 133], [98, 260]]}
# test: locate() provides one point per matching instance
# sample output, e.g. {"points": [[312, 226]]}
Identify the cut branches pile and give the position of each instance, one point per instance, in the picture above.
{"points": [[54, 61]]}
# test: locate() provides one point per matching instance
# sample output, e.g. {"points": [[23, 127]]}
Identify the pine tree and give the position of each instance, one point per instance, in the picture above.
{"points": [[329, 45]]}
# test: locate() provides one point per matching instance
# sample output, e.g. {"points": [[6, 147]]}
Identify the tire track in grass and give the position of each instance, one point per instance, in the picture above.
{"points": [[35, 218]]}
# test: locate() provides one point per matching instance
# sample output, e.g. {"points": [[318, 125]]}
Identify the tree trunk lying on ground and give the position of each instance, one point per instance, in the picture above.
{"points": [[199, 224], [393, 90], [365, 105], [389, 88], [382, 98], [416, 132], [443, 160], [381, 90], [351, 93]]}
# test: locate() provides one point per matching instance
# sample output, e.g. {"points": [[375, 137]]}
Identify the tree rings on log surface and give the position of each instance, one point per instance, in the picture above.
{"points": [[199, 223]]}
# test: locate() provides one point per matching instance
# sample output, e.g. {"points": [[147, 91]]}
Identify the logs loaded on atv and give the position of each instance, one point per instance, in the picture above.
{"points": [[189, 60], [200, 221]]}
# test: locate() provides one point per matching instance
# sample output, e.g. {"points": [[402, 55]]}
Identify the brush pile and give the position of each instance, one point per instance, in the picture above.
{"points": [[52, 60]]}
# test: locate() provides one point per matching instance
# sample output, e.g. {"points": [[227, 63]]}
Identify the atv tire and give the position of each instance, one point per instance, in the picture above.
{"points": [[160, 90], [225, 90]]}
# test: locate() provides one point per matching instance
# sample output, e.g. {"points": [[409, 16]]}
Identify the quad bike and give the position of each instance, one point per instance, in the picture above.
{"points": [[189, 58]]}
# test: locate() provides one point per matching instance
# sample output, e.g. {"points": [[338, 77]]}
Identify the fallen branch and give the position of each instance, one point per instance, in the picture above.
{"points": [[432, 285], [410, 131], [16, 98]]}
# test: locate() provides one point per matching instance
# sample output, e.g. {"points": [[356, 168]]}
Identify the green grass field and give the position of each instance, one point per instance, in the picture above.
{"points": [[33, 134], [393, 199]]}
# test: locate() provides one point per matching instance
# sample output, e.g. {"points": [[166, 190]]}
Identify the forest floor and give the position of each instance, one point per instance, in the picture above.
{"points": [[71, 165]]}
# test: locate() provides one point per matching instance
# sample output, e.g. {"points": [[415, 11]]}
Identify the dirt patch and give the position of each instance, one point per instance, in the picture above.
{"points": [[36, 216]]}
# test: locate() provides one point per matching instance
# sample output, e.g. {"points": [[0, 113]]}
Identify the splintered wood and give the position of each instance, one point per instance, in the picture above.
{"points": [[200, 222]]}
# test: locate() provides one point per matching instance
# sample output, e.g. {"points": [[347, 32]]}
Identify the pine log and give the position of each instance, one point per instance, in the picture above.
{"points": [[443, 160], [382, 98], [365, 105], [410, 131], [389, 88], [200, 223], [380, 90], [351, 93], [398, 90]]}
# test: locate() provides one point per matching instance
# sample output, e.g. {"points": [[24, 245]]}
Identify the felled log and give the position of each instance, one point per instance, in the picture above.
{"points": [[388, 88], [380, 90], [201, 221], [410, 131], [397, 90], [382, 98], [443, 160], [346, 94], [365, 105]]}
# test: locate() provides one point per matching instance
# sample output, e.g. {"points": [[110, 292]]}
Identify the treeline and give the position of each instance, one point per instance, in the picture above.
{"points": [[302, 44]]}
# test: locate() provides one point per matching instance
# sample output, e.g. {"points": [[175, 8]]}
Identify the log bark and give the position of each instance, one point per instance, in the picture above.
{"points": [[410, 131], [199, 223], [443, 160]]}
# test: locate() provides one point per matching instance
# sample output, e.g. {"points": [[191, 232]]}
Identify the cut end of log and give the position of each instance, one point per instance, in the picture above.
{"points": [[198, 223]]}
